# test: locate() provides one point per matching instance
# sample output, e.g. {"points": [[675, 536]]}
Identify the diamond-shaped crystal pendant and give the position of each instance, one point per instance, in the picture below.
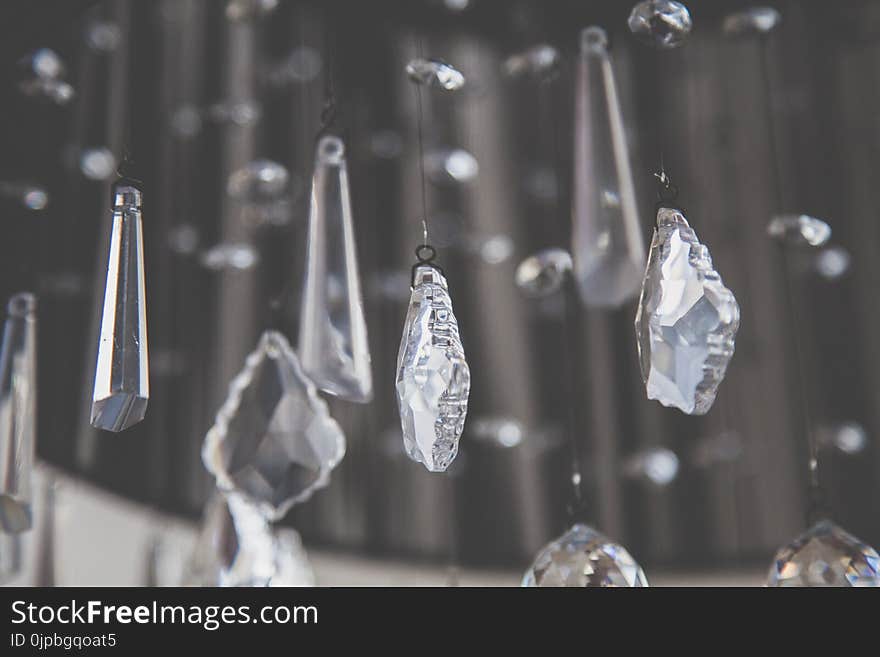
{"points": [[687, 320], [273, 441], [18, 410], [433, 378], [333, 344], [122, 386], [825, 555], [584, 558], [607, 245]]}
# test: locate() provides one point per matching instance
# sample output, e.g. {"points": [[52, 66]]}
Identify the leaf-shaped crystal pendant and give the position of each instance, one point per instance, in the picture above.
{"points": [[273, 441], [582, 558], [333, 344], [18, 410], [122, 386], [686, 321], [433, 378], [607, 246], [825, 555]]}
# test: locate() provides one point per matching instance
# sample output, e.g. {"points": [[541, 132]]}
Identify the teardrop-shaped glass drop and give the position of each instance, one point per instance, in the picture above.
{"points": [[333, 343], [584, 558], [825, 555], [18, 413], [433, 377], [607, 245], [122, 386]]}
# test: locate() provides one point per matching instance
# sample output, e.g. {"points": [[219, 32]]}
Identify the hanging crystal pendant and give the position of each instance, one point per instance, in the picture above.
{"points": [[273, 440], [433, 378], [333, 344], [825, 555], [122, 374], [584, 558], [18, 413], [660, 23], [607, 246], [687, 320]]}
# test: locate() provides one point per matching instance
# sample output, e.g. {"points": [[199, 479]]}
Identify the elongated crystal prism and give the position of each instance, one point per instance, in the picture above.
{"points": [[607, 245], [273, 441], [122, 386], [18, 413], [687, 320], [433, 378], [333, 343]]}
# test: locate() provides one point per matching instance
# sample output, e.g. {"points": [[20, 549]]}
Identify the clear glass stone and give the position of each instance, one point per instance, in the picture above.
{"points": [[825, 555], [543, 273], [584, 558], [18, 414], [122, 386], [273, 441], [541, 61], [97, 163], [655, 465], [258, 181], [433, 378], [754, 20], [607, 245], [799, 230], [333, 344], [451, 166], [432, 72], [687, 320], [661, 23]]}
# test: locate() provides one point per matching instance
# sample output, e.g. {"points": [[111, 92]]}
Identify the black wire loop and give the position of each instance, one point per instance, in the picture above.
{"points": [[425, 255], [667, 192]]}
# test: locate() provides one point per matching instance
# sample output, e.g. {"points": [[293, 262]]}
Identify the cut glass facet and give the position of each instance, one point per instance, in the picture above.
{"points": [[18, 414], [433, 378], [687, 320], [273, 441], [825, 555], [660, 23], [333, 343], [122, 386], [607, 245], [432, 72], [799, 230], [584, 558]]}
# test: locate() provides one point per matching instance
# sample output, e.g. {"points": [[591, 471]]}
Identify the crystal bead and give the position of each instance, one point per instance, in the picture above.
{"points": [[686, 321], [432, 72], [543, 273], [122, 387], [825, 555], [799, 230], [655, 465], [451, 166], [541, 61], [230, 256], [262, 187], [433, 378], [273, 441], [754, 20], [18, 414], [333, 344], [584, 558], [607, 246], [97, 163], [661, 23]]}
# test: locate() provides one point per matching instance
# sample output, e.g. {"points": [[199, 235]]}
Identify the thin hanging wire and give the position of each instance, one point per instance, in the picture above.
{"points": [[421, 142]]}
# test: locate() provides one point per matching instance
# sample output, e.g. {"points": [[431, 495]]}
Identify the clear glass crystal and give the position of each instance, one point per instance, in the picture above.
{"points": [[122, 386], [584, 558], [273, 441], [754, 20], [542, 61], [432, 72], [333, 344], [18, 414], [825, 555], [661, 23], [41, 77], [451, 166], [97, 163], [655, 465], [543, 273], [503, 432], [687, 320], [799, 230], [433, 378], [230, 256], [11, 556], [607, 245]]}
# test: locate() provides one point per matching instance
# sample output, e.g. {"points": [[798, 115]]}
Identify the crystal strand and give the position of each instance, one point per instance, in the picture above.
{"points": [[18, 409], [121, 374], [333, 343]]}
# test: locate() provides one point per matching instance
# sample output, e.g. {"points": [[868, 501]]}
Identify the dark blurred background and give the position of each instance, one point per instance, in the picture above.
{"points": [[191, 91]]}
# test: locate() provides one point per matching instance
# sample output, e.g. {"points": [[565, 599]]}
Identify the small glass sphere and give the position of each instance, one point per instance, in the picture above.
{"points": [[544, 272], [660, 23]]}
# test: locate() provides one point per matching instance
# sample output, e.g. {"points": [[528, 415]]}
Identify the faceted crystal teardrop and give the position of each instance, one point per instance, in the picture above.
{"points": [[433, 378], [825, 555], [687, 320], [333, 343], [273, 440], [607, 246], [584, 558], [18, 414], [122, 386]]}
